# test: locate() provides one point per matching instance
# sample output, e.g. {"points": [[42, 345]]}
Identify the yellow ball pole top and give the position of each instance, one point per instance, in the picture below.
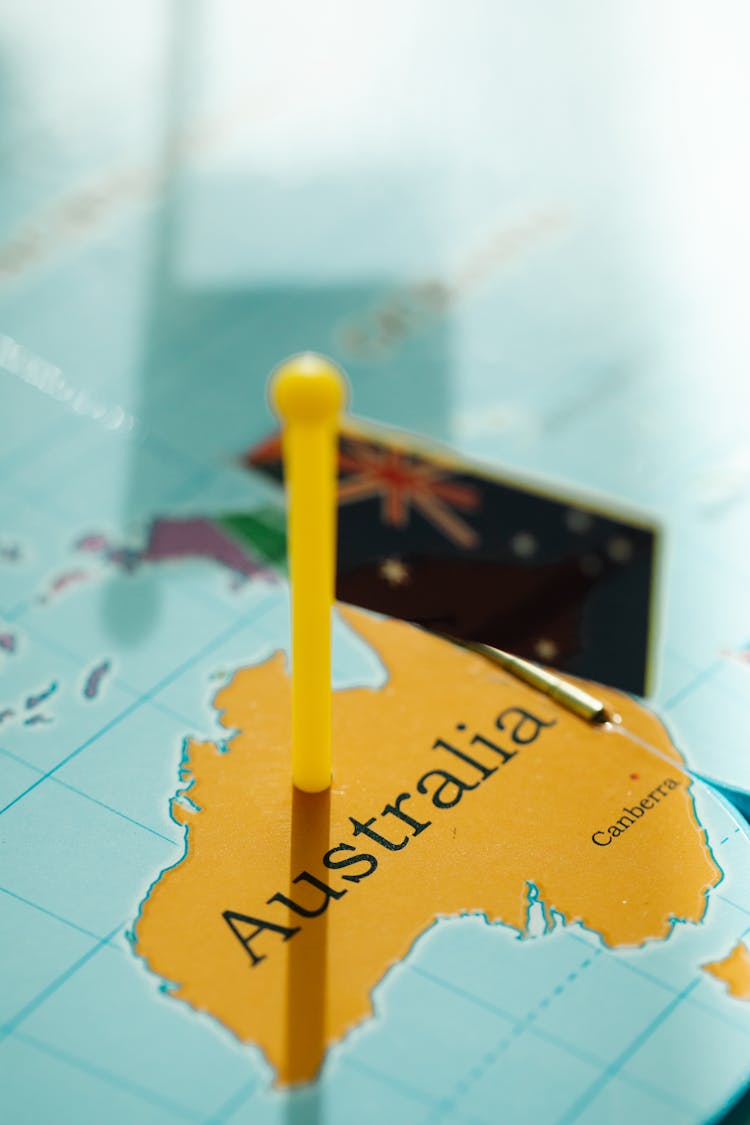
{"points": [[308, 393], [308, 388]]}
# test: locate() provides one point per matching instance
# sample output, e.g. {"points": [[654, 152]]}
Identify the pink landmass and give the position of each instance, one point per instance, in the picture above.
{"points": [[94, 679], [198, 538], [63, 582]]}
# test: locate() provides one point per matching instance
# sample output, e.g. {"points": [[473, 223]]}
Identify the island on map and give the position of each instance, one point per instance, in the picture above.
{"points": [[455, 788], [734, 971]]}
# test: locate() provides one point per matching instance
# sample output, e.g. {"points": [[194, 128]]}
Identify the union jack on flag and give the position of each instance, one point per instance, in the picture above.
{"points": [[545, 575], [403, 482]]}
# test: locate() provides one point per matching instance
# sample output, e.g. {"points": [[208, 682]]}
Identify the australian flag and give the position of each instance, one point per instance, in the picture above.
{"points": [[552, 578]]}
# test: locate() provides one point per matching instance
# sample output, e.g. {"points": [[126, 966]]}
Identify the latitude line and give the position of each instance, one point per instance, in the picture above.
{"points": [[523, 1025], [624, 1057], [526, 1023], [50, 913], [57, 983], [675, 991], [93, 800], [704, 675], [104, 1075], [115, 812], [517, 1021]]}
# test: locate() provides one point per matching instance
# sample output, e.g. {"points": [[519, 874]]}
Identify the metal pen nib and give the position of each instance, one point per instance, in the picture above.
{"points": [[574, 699]]}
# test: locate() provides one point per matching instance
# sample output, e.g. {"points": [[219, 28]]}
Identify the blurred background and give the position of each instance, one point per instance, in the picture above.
{"points": [[522, 230]]}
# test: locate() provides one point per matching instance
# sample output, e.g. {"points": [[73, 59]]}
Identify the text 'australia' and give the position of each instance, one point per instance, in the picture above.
{"points": [[397, 824]]}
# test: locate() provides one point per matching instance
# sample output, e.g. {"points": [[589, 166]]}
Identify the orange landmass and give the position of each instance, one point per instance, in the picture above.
{"points": [[734, 970], [530, 820]]}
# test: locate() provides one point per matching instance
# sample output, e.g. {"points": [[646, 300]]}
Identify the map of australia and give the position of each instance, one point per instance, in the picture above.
{"points": [[456, 790]]}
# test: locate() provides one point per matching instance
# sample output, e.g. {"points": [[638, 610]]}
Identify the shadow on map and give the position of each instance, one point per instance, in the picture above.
{"points": [[246, 269], [308, 966]]}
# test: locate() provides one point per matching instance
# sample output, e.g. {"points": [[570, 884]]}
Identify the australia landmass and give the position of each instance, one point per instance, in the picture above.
{"points": [[734, 971], [455, 788]]}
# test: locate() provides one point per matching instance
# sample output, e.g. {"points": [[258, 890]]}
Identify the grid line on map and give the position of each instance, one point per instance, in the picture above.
{"points": [[225, 634], [700, 678], [116, 812], [390, 1080], [60, 980], [537, 1032], [736, 905], [624, 1057], [56, 646], [653, 979], [446, 1105], [107, 1076], [93, 800], [50, 913], [237, 1099]]}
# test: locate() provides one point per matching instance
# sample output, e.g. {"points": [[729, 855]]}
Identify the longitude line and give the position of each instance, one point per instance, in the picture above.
{"points": [[703, 675], [58, 982], [238, 1098], [668, 987], [69, 757], [175, 674], [598, 1085], [114, 811], [88, 797]]}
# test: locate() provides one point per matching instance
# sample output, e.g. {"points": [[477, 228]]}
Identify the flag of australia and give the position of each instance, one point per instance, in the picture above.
{"points": [[561, 580]]}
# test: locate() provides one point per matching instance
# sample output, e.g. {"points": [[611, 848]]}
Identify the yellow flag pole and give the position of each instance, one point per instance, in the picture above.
{"points": [[308, 393]]}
